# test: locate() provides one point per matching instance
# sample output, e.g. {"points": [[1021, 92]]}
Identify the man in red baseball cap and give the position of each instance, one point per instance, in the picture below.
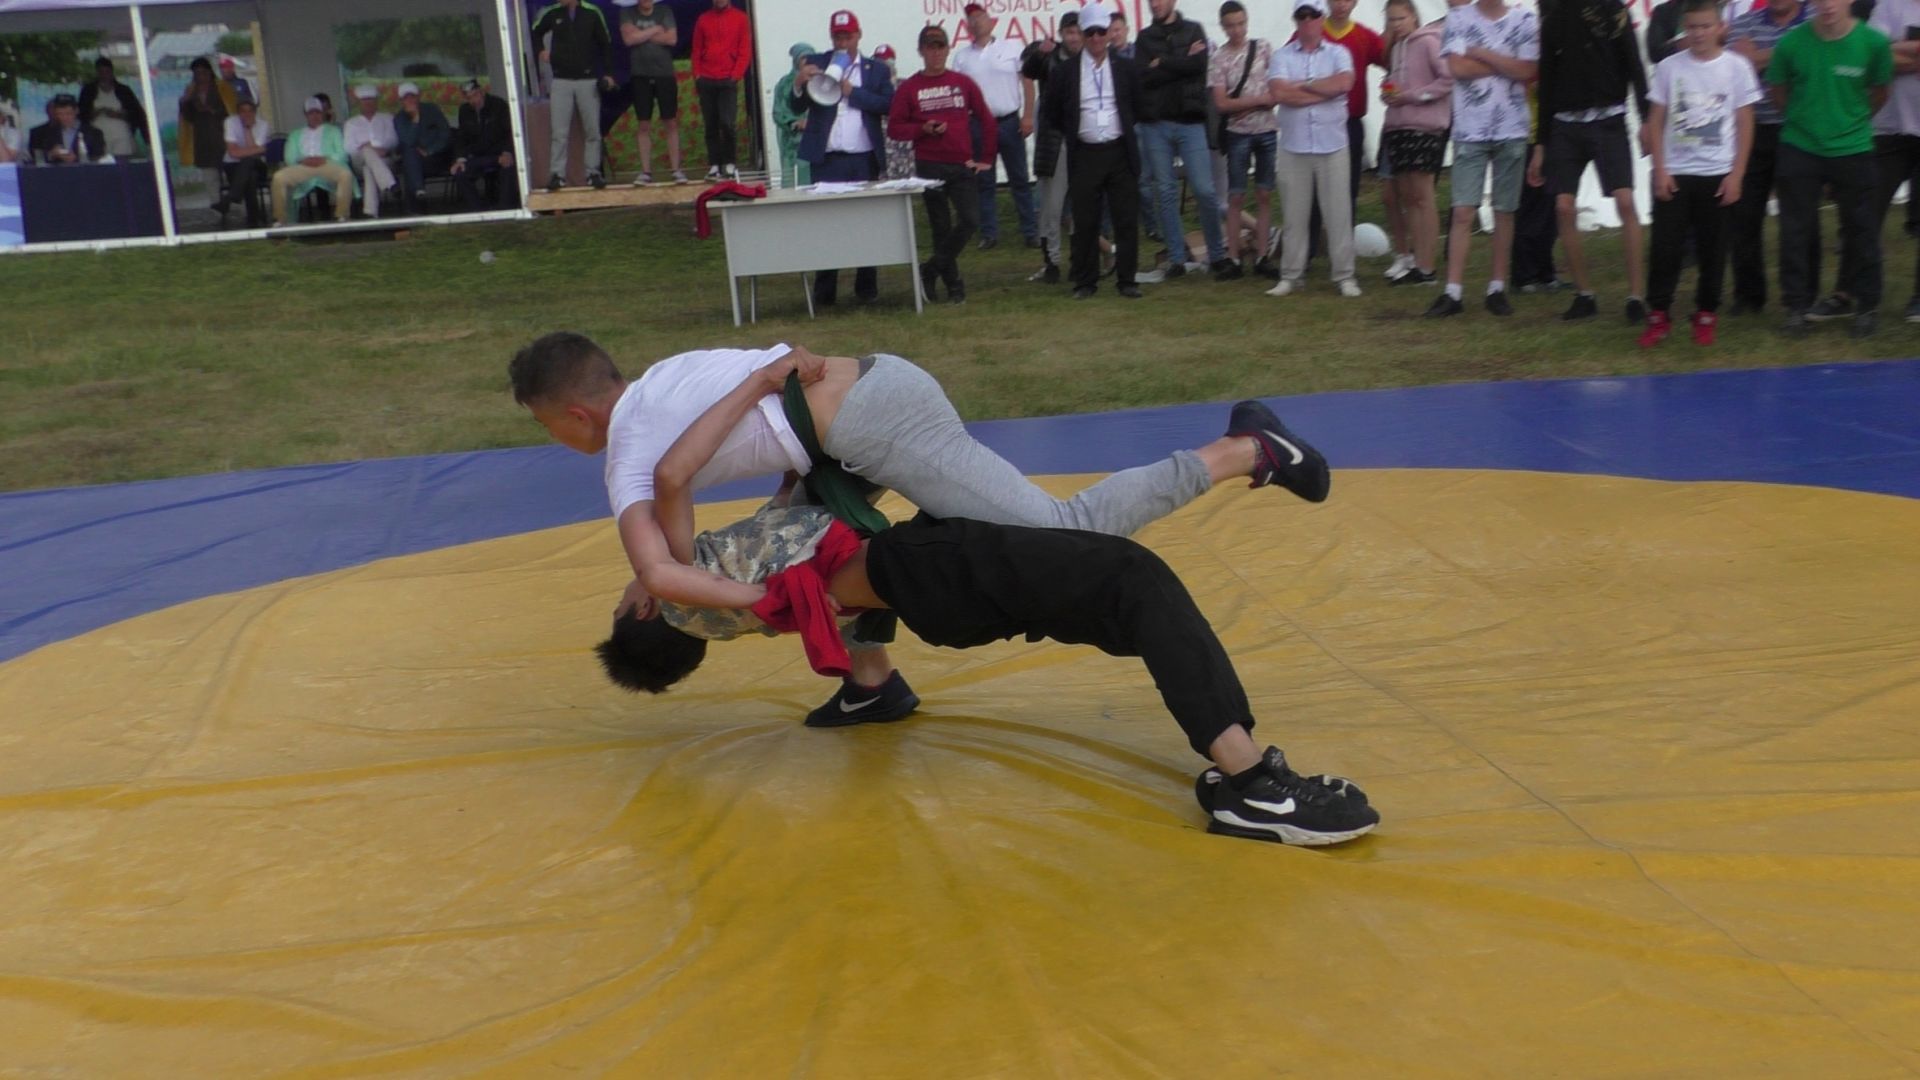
{"points": [[845, 140]]}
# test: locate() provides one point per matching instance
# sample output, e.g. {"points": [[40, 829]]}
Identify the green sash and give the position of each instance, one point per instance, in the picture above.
{"points": [[843, 494]]}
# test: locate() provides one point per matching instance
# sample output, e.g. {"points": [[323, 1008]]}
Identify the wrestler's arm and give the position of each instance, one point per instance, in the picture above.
{"points": [[666, 579], [673, 476]]}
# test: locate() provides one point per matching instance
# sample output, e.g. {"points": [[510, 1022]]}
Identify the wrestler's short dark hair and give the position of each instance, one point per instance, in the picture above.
{"points": [[559, 366], [648, 655]]}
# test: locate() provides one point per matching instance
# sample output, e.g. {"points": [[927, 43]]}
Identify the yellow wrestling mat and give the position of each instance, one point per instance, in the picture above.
{"points": [[1646, 754]]}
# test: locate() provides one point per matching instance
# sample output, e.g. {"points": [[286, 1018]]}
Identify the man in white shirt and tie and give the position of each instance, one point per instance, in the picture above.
{"points": [[994, 65], [371, 140], [1093, 102]]}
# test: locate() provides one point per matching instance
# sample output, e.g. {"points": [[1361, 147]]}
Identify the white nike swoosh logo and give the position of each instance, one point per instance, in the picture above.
{"points": [[1272, 808], [856, 706], [1298, 457]]}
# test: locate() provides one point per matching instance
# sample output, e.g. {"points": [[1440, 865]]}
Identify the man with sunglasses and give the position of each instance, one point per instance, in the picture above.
{"points": [[1094, 103], [1310, 78]]}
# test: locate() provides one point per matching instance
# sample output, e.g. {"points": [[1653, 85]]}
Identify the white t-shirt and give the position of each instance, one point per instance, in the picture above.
{"points": [[666, 401], [1702, 100], [376, 131], [996, 69], [849, 132], [236, 134], [1901, 114], [1493, 109]]}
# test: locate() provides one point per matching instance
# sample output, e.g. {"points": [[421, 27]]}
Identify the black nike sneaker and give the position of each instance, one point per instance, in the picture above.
{"points": [[1284, 807], [1281, 457], [1205, 784], [856, 704]]}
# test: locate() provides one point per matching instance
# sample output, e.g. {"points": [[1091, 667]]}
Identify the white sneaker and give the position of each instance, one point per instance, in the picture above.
{"points": [[643, 179], [732, 173], [1282, 289], [1349, 287], [1401, 264], [680, 176], [713, 172]]}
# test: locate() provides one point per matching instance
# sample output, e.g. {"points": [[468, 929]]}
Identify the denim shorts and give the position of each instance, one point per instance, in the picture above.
{"points": [[1471, 160], [1259, 150]]}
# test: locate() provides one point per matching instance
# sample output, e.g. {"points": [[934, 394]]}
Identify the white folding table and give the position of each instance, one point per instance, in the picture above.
{"points": [[800, 232]]}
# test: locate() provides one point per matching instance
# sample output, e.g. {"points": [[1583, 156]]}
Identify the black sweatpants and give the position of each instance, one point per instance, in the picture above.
{"points": [[1693, 213], [1746, 227], [1098, 175], [961, 583], [1536, 228], [1800, 178], [1896, 161], [719, 101], [953, 213]]}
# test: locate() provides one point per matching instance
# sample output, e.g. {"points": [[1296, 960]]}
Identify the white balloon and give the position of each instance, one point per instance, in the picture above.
{"points": [[486, 256], [1369, 240]]}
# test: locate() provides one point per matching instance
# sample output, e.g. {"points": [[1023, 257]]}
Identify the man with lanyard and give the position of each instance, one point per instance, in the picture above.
{"points": [[1092, 103], [573, 41], [1754, 35], [994, 66], [845, 141]]}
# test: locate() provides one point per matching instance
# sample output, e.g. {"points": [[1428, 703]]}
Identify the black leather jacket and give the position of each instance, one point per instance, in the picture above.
{"points": [[1176, 87]]}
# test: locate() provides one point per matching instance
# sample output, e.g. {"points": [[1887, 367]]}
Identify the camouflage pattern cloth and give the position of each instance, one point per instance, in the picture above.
{"points": [[748, 551]]}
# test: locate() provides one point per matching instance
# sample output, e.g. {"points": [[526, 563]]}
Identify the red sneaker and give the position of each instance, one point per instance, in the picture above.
{"points": [[1658, 327], [1704, 323]]}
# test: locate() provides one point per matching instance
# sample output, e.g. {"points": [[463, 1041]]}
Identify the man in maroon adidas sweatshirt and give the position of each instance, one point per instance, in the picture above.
{"points": [[943, 114]]}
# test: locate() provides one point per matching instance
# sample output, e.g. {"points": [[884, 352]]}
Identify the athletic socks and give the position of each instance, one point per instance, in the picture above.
{"points": [[1496, 286], [1453, 290]]}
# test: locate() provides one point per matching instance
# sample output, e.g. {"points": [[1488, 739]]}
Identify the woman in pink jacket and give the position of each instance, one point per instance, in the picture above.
{"points": [[1418, 93]]}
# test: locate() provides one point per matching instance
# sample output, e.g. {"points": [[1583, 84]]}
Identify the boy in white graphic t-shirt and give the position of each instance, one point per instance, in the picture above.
{"points": [[1699, 131]]}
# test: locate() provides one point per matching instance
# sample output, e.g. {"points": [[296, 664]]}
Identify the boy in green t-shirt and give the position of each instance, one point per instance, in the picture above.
{"points": [[1829, 77]]}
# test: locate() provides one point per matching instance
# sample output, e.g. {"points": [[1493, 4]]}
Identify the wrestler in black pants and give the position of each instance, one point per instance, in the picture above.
{"points": [[961, 583], [1746, 226], [1693, 217], [1536, 228], [1800, 180], [953, 214], [1096, 172]]}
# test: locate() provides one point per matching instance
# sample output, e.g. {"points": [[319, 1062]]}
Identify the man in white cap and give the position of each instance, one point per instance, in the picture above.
{"points": [[426, 140], [1309, 79], [370, 141], [1094, 103], [316, 158]]}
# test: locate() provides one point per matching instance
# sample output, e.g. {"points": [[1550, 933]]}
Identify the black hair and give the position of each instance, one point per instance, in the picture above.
{"points": [[1232, 7], [648, 655], [201, 62], [1691, 6], [1117, 14], [561, 364], [101, 61]]}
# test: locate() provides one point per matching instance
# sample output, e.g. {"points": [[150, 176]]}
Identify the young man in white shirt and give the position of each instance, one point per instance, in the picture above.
{"points": [[1493, 52], [245, 163], [1309, 80], [879, 418], [994, 65], [370, 141], [1699, 133]]}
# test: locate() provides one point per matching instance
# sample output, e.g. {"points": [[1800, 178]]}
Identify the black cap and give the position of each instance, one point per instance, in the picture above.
{"points": [[470, 86], [1071, 18], [932, 35], [63, 99]]}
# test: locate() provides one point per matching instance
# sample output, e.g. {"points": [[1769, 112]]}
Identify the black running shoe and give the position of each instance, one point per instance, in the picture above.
{"points": [[1498, 304], [1281, 456], [1833, 307], [1415, 276], [1227, 270], [1284, 807], [1636, 311], [1864, 324], [1584, 306], [1444, 306], [1208, 782], [856, 704]]}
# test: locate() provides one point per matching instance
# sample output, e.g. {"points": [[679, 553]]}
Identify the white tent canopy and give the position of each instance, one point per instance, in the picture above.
{"points": [[295, 36]]}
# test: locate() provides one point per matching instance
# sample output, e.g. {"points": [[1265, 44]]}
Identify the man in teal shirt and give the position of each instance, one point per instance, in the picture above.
{"points": [[1829, 77], [316, 158]]}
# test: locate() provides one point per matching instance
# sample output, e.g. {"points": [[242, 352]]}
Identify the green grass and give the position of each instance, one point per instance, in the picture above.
{"points": [[148, 363]]}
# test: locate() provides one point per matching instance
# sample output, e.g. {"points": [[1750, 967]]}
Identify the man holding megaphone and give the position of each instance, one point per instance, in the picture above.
{"points": [[844, 139]]}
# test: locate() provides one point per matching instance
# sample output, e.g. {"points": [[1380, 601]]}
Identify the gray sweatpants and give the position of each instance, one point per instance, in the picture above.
{"points": [[1053, 205], [568, 95], [897, 429]]}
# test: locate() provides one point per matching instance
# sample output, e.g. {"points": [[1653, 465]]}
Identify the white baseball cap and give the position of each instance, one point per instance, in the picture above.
{"points": [[367, 93], [314, 104], [409, 88], [1094, 16]]}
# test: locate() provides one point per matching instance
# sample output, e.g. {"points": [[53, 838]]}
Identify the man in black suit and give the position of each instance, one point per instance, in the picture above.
{"points": [[63, 139], [1093, 103]]}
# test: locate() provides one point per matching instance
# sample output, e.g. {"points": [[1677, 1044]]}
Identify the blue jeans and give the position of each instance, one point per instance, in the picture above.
{"points": [[1160, 140], [1013, 154], [1259, 152]]}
